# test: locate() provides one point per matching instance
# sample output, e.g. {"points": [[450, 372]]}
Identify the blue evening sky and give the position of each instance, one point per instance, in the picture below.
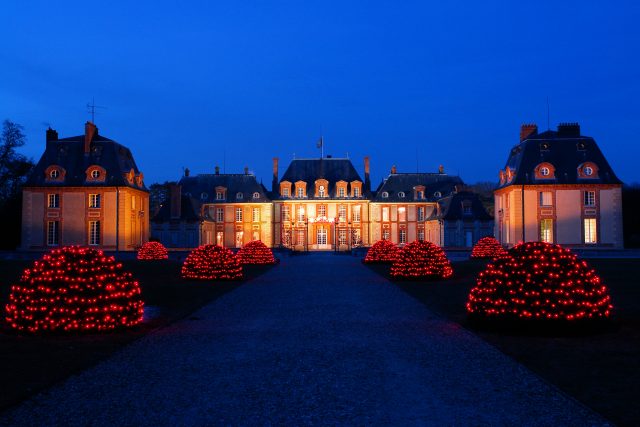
{"points": [[195, 84]]}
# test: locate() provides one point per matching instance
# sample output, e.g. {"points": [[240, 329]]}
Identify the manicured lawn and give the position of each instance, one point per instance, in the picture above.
{"points": [[599, 369], [29, 364]]}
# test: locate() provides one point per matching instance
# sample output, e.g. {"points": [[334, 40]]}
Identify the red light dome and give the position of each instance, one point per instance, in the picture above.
{"points": [[74, 289], [487, 248], [153, 251], [537, 280], [382, 251], [421, 260], [256, 252], [212, 262]]}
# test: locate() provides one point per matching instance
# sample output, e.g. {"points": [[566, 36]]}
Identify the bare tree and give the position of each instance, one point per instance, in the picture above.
{"points": [[14, 167]]}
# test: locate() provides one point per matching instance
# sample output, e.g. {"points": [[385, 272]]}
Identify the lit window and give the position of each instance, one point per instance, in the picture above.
{"points": [[545, 171], [385, 214], [546, 230], [300, 192], [356, 192], [285, 192], [286, 213], [590, 231], [322, 211], [590, 198], [94, 232], [301, 214], [342, 213], [421, 235], [94, 200], [219, 195], [239, 196], [342, 236], [95, 174], [403, 236], [385, 195], [256, 195], [401, 194], [546, 198], [588, 171], [53, 233], [255, 215], [219, 215], [321, 191], [385, 234], [421, 213], [238, 214], [54, 174], [355, 212], [54, 201], [341, 192], [402, 214]]}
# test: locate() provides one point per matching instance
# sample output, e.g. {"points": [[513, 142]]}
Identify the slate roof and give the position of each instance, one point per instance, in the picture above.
{"points": [[434, 183], [68, 153], [450, 208], [205, 185], [329, 168], [565, 153], [189, 211]]}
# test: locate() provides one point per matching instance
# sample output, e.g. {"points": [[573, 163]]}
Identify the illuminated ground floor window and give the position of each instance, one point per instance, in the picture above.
{"points": [[239, 237], [94, 232], [590, 231], [220, 238], [421, 235], [546, 230], [385, 234], [53, 233], [322, 235], [403, 236]]}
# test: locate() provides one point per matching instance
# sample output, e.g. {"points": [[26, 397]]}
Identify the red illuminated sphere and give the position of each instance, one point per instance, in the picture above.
{"points": [[382, 251], [421, 260], [153, 251], [74, 289], [255, 252], [212, 262], [539, 280], [487, 248]]}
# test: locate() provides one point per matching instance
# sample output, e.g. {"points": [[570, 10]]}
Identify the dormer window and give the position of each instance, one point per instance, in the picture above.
{"points": [[300, 192], [545, 171], [95, 174], [285, 192], [385, 195], [301, 189], [321, 191], [221, 193], [466, 207], [588, 171], [437, 194], [401, 194], [203, 196], [54, 174], [356, 192], [341, 192], [256, 195], [239, 196]]}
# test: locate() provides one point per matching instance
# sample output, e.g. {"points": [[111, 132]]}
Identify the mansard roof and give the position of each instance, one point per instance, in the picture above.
{"points": [[434, 183], [189, 210], [566, 150], [329, 168], [203, 187], [69, 154], [451, 208]]}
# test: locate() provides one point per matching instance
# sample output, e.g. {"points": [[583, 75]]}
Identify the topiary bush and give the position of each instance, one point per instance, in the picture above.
{"points": [[256, 252], [539, 281], [487, 248], [153, 251], [74, 289], [382, 251], [421, 260], [212, 262]]}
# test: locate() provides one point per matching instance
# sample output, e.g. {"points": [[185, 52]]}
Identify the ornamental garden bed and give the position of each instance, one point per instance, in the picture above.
{"points": [[29, 364], [597, 366]]}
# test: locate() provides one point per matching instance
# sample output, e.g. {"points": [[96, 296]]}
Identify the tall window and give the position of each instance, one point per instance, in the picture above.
{"points": [[285, 192], [546, 230], [546, 198], [420, 194], [321, 191], [590, 231], [402, 214], [94, 200], [421, 235], [300, 214], [355, 213], [286, 213], [53, 233], [403, 236], [356, 191], [219, 215], [94, 232], [342, 236], [321, 235], [385, 234], [322, 211], [300, 192], [421, 213], [341, 192], [342, 213], [255, 215], [54, 201], [238, 214], [590, 198], [219, 195], [385, 214]]}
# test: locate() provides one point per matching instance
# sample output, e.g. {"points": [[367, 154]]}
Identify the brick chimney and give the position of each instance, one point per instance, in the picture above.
{"points": [[441, 169], [527, 130], [90, 130], [394, 170], [274, 180], [569, 130], [187, 172], [217, 170], [367, 178], [175, 197], [52, 134], [246, 170]]}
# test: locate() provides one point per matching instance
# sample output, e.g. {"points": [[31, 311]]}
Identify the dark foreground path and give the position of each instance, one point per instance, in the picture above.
{"points": [[319, 339]]}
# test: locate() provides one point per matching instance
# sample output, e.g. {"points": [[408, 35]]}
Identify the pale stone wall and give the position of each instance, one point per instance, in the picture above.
{"points": [[611, 217], [74, 222], [109, 226], [568, 213]]}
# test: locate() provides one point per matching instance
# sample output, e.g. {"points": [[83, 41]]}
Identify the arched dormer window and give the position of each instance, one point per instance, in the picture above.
{"points": [[588, 170], [510, 174], [54, 173], [204, 196], [239, 196], [385, 195], [503, 177], [321, 191], [221, 193], [545, 170], [437, 194], [401, 194], [95, 173], [321, 186], [256, 195]]}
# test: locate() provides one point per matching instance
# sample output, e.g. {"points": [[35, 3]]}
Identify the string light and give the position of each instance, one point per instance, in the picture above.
{"points": [[538, 280], [421, 259], [256, 252], [153, 251], [487, 248], [212, 262], [74, 289], [382, 251]]}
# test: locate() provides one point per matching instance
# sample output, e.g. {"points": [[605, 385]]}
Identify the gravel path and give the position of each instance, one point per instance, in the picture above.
{"points": [[319, 339]]}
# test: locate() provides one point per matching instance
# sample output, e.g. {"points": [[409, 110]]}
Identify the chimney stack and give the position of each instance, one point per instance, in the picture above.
{"points": [[217, 170], [175, 197], [569, 130], [246, 170], [90, 130], [367, 179], [528, 130], [187, 172], [441, 169], [394, 170], [274, 181], [52, 134]]}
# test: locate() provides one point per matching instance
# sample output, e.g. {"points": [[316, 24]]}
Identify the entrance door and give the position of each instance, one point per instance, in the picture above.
{"points": [[322, 235]]}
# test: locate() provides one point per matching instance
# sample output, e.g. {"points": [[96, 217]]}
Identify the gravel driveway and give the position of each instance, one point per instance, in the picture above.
{"points": [[319, 339]]}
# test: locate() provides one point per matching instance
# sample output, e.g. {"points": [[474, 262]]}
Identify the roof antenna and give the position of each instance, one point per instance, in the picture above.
{"points": [[548, 115], [417, 164], [91, 108]]}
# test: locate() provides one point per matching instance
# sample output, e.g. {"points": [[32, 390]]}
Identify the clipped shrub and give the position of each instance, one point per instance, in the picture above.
{"points": [[256, 252], [487, 248], [421, 260], [537, 280], [153, 251], [382, 251], [74, 289], [212, 262]]}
